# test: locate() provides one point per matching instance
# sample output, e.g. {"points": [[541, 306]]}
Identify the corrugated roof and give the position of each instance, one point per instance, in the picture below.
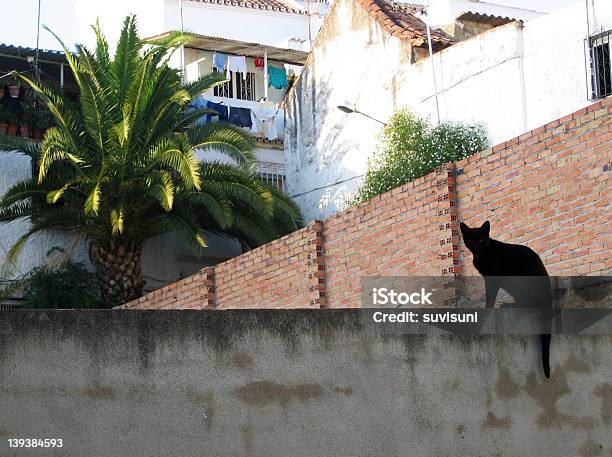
{"points": [[267, 5], [25, 52], [399, 20], [243, 48]]}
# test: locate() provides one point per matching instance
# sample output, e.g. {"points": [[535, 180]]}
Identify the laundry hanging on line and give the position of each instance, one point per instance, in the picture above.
{"points": [[277, 77], [219, 108], [200, 103], [219, 61], [240, 117], [237, 64], [258, 62], [263, 118]]}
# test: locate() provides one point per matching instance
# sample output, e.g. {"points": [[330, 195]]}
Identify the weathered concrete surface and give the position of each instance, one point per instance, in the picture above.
{"points": [[292, 383]]}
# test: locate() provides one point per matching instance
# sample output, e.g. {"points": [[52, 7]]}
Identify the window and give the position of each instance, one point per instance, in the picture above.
{"points": [[274, 179], [245, 86], [226, 89], [601, 70]]}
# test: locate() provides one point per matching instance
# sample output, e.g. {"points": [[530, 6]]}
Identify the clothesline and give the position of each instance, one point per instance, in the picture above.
{"points": [[261, 120], [277, 76]]}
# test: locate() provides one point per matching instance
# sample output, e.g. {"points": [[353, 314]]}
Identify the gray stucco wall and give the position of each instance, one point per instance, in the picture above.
{"points": [[292, 383]]}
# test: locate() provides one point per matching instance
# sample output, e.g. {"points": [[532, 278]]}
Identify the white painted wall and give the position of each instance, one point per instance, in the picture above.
{"points": [[358, 62], [158, 16], [511, 79], [111, 13], [165, 259], [244, 24], [443, 12], [14, 168]]}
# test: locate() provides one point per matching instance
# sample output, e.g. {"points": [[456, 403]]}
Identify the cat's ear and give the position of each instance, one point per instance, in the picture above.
{"points": [[486, 227], [464, 228]]}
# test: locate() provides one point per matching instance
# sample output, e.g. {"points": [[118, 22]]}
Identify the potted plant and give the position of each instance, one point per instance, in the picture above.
{"points": [[13, 87], [43, 122], [4, 118], [12, 127], [2, 90], [28, 119]]}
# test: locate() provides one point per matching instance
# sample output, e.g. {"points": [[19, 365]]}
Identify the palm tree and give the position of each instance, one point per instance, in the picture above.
{"points": [[120, 166]]}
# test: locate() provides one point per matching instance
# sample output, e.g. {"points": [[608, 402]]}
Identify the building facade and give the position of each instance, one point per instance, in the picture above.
{"points": [[512, 78]]}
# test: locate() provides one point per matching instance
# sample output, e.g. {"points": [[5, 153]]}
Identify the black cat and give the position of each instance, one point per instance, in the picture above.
{"points": [[516, 269]]}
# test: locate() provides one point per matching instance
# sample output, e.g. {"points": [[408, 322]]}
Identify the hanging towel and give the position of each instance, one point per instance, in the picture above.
{"points": [[237, 64], [240, 117], [277, 77], [219, 61], [219, 108], [263, 119], [259, 62]]}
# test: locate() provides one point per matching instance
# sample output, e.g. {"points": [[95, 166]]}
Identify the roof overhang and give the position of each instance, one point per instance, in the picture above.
{"points": [[490, 19], [20, 52], [243, 48]]}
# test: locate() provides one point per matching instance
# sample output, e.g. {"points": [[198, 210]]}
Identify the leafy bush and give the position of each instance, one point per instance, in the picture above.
{"points": [[411, 148], [69, 287]]}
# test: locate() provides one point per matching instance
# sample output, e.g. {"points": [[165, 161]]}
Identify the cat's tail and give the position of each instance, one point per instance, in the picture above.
{"points": [[545, 338]]}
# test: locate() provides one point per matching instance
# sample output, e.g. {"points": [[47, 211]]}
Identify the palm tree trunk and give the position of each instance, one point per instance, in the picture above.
{"points": [[118, 270]]}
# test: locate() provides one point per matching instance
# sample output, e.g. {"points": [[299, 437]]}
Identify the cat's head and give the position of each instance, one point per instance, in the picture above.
{"points": [[476, 239]]}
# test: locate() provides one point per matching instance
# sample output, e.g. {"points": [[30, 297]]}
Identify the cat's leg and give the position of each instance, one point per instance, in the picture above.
{"points": [[491, 290]]}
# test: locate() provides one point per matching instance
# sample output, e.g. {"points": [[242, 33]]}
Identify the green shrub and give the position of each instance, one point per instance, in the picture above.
{"points": [[71, 286], [411, 148]]}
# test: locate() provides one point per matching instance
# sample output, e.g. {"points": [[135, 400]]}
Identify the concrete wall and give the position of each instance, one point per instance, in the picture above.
{"points": [[292, 383], [511, 79]]}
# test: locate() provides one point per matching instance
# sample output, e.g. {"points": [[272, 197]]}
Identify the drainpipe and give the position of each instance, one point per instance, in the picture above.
{"points": [[433, 69], [182, 53], [520, 50]]}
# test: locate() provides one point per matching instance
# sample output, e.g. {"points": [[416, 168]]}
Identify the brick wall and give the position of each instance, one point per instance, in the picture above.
{"points": [[548, 188]]}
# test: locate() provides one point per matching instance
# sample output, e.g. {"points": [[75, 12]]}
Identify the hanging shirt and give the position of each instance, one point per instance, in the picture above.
{"points": [[263, 118], [219, 61], [277, 77], [237, 64], [258, 62]]}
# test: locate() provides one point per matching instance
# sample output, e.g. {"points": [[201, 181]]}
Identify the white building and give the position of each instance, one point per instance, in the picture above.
{"points": [[513, 77], [275, 31], [279, 23]]}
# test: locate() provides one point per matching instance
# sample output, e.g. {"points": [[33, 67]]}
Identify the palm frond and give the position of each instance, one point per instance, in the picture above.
{"points": [[10, 143], [224, 138]]}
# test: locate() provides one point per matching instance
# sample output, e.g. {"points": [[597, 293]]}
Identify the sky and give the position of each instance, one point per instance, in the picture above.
{"points": [[19, 22]]}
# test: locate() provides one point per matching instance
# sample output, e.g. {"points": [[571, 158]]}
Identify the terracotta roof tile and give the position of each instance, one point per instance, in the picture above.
{"points": [[269, 5], [399, 20]]}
